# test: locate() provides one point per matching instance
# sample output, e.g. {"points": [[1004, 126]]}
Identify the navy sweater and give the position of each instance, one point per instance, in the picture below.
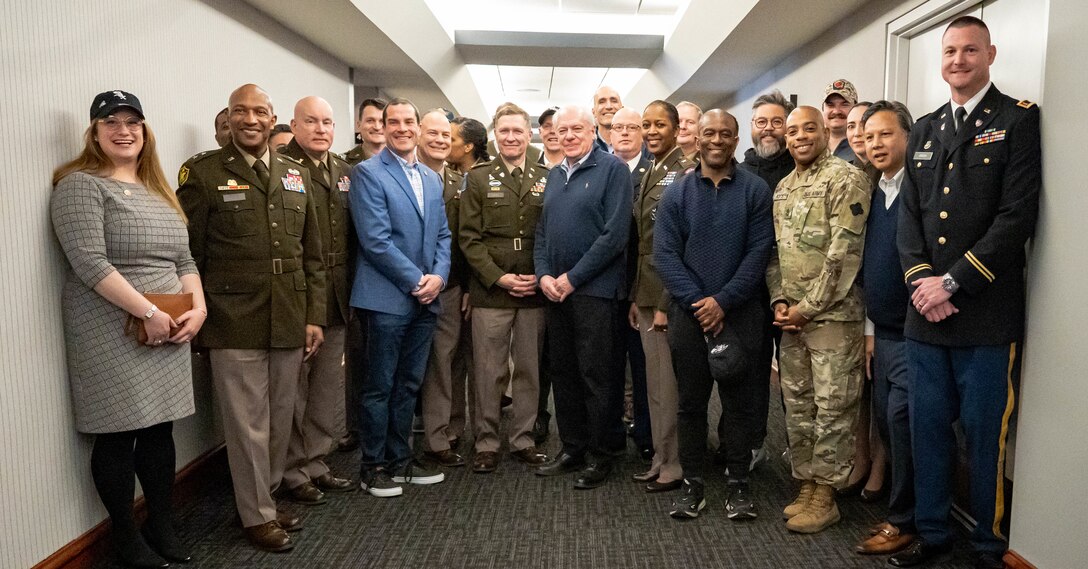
{"points": [[584, 226], [714, 241], [886, 297]]}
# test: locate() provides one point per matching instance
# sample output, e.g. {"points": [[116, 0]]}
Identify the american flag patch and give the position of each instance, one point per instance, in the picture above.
{"points": [[989, 135]]}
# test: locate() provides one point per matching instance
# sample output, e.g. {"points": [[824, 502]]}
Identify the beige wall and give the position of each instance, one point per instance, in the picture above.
{"points": [[182, 58], [1048, 512]]}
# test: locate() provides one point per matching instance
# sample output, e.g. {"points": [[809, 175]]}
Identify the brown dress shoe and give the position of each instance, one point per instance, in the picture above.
{"points": [[306, 493], [446, 458], [288, 521], [269, 536], [530, 456], [888, 540], [329, 483], [485, 461]]}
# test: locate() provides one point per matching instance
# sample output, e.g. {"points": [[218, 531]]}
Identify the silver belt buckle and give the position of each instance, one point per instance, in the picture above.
{"points": [[277, 266], [517, 243]]}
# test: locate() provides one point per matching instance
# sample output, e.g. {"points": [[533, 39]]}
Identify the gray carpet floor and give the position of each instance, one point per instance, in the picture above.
{"points": [[513, 519]]}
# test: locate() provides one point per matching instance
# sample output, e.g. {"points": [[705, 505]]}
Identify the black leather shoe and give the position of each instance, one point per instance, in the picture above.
{"points": [[562, 464], [593, 476], [347, 443], [166, 543], [655, 486], [989, 560], [133, 551], [306, 493], [873, 496], [646, 454], [329, 483], [920, 553]]}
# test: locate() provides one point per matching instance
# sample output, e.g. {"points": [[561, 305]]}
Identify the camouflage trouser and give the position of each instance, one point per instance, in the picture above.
{"points": [[821, 371]]}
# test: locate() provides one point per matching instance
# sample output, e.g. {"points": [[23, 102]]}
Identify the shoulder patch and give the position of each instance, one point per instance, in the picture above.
{"points": [[183, 175], [856, 208]]}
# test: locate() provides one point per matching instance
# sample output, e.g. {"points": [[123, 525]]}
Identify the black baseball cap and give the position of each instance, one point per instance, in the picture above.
{"points": [[107, 103], [547, 113]]}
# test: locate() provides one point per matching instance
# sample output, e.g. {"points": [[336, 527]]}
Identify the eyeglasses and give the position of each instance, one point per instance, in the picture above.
{"points": [[113, 123], [621, 128], [762, 122]]}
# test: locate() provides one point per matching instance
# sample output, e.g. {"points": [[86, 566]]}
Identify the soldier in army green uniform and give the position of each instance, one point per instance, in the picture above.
{"points": [[649, 301], [443, 390], [369, 126], [319, 389], [253, 235], [499, 212], [820, 211]]}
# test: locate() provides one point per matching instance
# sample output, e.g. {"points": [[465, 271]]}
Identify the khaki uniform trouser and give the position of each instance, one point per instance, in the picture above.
{"points": [[256, 394], [320, 388], [662, 396], [500, 335], [821, 375], [449, 368]]}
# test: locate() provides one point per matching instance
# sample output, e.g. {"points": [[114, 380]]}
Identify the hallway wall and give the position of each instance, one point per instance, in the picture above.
{"points": [[182, 58]]}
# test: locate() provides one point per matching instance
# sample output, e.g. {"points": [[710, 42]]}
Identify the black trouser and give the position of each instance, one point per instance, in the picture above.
{"points": [[772, 336], [117, 459], [583, 356], [355, 358], [642, 433], [694, 384], [542, 413]]}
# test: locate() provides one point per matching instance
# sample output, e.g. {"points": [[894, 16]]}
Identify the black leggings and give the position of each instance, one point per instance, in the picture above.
{"points": [[117, 458]]}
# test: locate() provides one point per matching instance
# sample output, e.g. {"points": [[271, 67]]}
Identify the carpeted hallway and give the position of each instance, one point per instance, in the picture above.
{"points": [[512, 519]]}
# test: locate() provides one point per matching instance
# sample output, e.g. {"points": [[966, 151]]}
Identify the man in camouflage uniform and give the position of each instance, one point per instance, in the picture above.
{"points": [[819, 211]]}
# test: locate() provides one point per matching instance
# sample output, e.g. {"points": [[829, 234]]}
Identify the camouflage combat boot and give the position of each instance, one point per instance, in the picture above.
{"points": [[798, 505], [821, 512]]}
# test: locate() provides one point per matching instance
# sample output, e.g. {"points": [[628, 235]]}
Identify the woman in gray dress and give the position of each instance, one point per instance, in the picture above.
{"points": [[124, 234]]}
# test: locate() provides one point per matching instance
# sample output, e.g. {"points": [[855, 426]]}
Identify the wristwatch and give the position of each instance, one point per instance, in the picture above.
{"points": [[949, 284], [151, 312]]}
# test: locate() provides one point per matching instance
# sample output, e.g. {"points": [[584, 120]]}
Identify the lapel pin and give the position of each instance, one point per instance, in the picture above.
{"points": [[929, 143], [978, 123]]}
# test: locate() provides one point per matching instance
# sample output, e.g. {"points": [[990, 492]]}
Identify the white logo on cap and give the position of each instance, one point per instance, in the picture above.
{"points": [[102, 104], [119, 95]]}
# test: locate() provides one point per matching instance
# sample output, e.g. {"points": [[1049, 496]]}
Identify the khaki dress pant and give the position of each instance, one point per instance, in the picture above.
{"points": [[256, 394], [320, 388], [448, 371], [662, 396], [500, 335]]}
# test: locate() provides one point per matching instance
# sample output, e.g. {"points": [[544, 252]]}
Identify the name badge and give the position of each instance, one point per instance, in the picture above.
{"points": [[234, 197], [923, 155]]}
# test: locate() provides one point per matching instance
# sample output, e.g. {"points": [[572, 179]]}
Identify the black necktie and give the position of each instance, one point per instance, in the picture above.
{"points": [[262, 172], [961, 116], [516, 175]]}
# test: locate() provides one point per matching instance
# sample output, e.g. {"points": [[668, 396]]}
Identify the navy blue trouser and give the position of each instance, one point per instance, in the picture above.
{"points": [[891, 399], [974, 385], [636, 357], [397, 350]]}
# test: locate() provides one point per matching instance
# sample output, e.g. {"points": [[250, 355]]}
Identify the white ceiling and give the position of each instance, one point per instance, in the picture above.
{"points": [[537, 88]]}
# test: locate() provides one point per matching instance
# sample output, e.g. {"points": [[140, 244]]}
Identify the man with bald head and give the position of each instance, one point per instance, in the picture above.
{"points": [[606, 103], [308, 477], [820, 211], [254, 237], [579, 260], [711, 243]]}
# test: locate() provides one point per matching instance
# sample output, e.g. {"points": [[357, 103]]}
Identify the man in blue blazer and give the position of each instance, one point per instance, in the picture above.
{"points": [[404, 261]]}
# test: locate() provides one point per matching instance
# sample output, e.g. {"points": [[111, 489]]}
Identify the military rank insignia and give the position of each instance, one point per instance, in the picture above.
{"points": [[292, 182], [344, 184], [989, 135]]}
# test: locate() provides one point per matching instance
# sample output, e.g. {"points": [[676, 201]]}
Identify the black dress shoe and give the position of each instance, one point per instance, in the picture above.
{"points": [[989, 560], [593, 476], [920, 553], [347, 443], [166, 543], [646, 454], [562, 464], [648, 476], [873, 496], [541, 430], [133, 551], [655, 486]]}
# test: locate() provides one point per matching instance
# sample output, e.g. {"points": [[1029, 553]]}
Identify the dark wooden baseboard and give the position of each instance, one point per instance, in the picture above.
{"points": [[87, 549], [1014, 561]]}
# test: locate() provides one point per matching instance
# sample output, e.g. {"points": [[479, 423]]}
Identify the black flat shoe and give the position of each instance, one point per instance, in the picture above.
{"points": [[137, 554], [168, 546], [853, 489], [648, 476], [872, 496]]}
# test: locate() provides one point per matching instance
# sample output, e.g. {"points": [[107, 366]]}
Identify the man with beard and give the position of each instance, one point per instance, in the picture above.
{"points": [[839, 97], [769, 160]]}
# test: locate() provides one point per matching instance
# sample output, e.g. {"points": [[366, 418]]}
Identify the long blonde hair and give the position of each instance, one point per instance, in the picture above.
{"points": [[148, 168]]}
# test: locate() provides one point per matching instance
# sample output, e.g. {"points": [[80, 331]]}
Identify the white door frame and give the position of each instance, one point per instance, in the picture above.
{"points": [[903, 28]]}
